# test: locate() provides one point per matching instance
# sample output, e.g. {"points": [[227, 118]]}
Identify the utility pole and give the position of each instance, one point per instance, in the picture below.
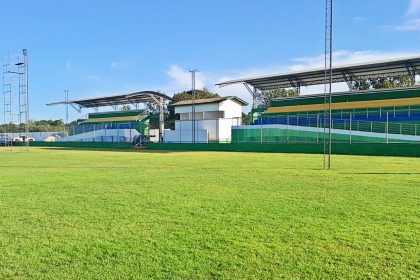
{"points": [[193, 103], [328, 82], [66, 98]]}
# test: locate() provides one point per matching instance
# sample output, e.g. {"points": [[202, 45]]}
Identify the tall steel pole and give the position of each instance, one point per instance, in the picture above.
{"points": [[328, 81], [193, 103], [25, 61], [66, 97]]}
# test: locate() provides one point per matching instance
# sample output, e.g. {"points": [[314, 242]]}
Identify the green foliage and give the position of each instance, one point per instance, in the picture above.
{"points": [[126, 108], [187, 95], [35, 126], [383, 83], [247, 118], [80, 214], [263, 100]]}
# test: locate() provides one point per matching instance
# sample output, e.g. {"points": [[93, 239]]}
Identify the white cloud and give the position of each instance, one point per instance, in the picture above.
{"points": [[181, 78], [411, 25], [122, 65], [360, 19], [414, 7], [342, 57]]}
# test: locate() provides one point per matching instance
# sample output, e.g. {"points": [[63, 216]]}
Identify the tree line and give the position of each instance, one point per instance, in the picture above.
{"points": [[35, 126]]}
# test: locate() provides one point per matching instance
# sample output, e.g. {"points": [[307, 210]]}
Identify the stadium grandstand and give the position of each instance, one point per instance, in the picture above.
{"points": [[370, 116], [118, 126]]}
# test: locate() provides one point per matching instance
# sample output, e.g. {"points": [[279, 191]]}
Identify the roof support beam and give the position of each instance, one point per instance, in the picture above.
{"points": [[78, 108], [160, 102], [349, 78], [254, 93], [295, 84], [411, 73]]}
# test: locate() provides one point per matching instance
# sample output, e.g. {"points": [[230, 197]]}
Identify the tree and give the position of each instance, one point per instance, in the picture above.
{"points": [[264, 98], [34, 126], [126, 108], [187, 95], [380, 83]]}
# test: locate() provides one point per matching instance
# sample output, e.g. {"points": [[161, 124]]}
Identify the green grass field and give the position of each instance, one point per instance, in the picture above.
{"points": [[79, 214]]}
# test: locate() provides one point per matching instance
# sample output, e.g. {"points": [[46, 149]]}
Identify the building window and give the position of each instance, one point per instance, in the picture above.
{"points": [[210, 115], [184, 116]]}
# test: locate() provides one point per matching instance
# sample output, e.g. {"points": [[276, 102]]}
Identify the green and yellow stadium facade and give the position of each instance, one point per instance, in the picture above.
{"points": [[135, 119], [391, 115]]}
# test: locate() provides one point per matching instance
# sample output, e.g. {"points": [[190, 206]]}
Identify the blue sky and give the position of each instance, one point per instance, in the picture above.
{"points": [[98, 47]]}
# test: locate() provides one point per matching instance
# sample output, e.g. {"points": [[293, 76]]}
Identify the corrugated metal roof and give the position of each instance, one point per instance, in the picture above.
{"points": [[353, 72], [210, 100], [121, 99]]}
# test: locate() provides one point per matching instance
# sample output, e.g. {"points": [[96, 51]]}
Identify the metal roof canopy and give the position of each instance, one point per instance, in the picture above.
{"points": [[121, 99], [347, 73]]}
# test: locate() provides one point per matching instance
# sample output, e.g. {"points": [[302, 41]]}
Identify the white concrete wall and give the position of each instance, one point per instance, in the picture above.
{"points": [[231, 108], [225, 128], [217, 129], [103, 135], [211, 126], [198, 108], [178, 136]]}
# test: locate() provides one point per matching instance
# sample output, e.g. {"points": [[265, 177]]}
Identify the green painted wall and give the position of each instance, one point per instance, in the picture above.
{"points": [[377, 149], [276, 135], [115, 114]]}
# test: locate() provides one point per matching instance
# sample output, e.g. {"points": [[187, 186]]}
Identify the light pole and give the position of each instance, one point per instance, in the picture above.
{"points": [[193, 103], [328, 82], [66, 98]]}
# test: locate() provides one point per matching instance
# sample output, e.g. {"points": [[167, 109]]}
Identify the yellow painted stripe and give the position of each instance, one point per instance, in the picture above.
{"points": [[348, 105], [114, 119]]}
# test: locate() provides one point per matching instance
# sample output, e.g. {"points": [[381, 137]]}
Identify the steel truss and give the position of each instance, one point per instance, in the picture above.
{"points": [[16, 98]]}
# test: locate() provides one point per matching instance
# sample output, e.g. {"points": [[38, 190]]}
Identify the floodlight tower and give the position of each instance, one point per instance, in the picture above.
{"points": [[328, 82], [66, 98], [16, 97], [193, 103]]}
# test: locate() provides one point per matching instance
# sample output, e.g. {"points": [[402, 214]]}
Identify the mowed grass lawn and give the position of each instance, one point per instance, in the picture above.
{"points": [[80, 214]]}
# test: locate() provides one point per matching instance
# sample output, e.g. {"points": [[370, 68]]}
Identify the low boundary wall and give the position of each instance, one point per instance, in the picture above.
{"points": [[98, 145], [374, 149]]}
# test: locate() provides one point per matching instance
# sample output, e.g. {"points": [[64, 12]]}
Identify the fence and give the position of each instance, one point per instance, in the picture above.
{"points": [[303, 128], [314, 129], [368, 126], [112, 132]]}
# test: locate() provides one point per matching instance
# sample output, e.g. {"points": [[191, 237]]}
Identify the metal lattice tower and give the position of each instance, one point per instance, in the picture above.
{"points": [[15, 97], [327, 119], [7, 95]]}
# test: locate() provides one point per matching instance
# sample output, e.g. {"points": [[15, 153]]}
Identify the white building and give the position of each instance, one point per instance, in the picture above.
{"points": [[214, 118]]}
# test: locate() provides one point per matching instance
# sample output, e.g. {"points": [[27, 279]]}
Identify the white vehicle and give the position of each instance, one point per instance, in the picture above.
{"points": [[22, 139]]}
